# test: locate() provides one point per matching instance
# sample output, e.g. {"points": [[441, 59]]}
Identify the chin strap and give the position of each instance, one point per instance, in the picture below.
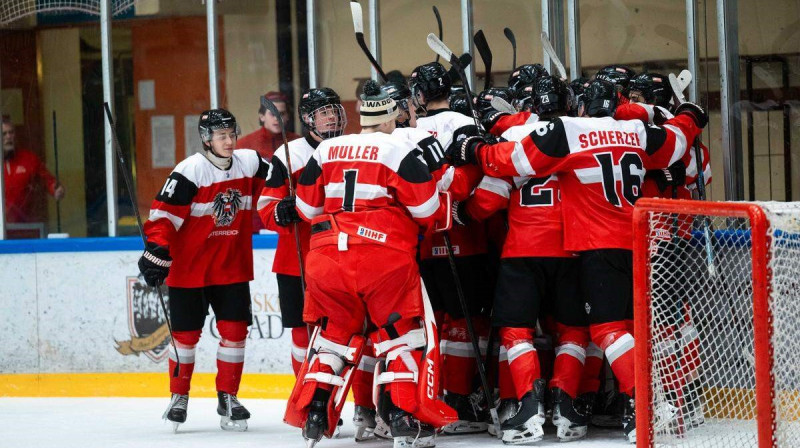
{"points": [[222, 163]]}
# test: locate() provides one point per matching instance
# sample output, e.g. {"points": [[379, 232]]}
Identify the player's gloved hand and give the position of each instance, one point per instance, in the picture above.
{"points": [[154, 264], [659, 117], [459, 212], [286, 212], [491, 118], [672, 176], [697, 113], [466, 152]]}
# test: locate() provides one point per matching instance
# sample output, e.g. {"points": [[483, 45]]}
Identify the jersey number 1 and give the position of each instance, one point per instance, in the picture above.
{"points": [[349, 197]]}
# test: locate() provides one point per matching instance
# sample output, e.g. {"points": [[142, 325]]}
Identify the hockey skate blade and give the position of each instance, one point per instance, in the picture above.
{"points": [[232, 425], [566, 433], [465, 427], [175, 427], [413, 442], [531, 433], [364, 434]]}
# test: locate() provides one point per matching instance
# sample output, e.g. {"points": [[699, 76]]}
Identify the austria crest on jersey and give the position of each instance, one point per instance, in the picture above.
{"points": [[225, 207], [146, 322]]}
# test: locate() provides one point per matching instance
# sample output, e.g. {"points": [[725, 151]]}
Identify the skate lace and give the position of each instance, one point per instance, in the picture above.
{"points": [[180, 401], [231, 402], [419, 431]]}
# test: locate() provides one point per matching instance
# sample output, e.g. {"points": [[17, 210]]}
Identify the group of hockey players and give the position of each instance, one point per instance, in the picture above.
{"points": [[530, 209]]}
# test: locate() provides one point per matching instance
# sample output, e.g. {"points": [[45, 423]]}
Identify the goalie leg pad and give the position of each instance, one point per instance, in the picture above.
{"points": [[363, 377], [330, 366]]}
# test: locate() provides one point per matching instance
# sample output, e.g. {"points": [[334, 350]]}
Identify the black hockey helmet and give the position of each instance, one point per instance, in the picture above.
{"points": [[654, 88], [619, 75], [599, 99], [399, 92], [458, 103], [321, 112], [577, 85], [483, 102], [523, 98], [215, 119], [431, 80], [524, 75], [551, 96]]}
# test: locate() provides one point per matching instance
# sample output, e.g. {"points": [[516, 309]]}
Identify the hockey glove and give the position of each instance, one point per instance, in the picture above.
{"points": [[286, 212], [672, 176], [491, 118], [154, 264], [697, 113], [459, 212], [466, 152]]}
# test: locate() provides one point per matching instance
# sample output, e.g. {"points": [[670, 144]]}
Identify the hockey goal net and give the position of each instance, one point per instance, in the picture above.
{"points": [[717, 309]]}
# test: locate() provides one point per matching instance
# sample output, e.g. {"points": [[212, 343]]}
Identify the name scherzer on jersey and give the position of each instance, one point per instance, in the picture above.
{"points": [[204, 216], [277, 188], [450, 128], [601, 163], [375, 186], [535, 225]]}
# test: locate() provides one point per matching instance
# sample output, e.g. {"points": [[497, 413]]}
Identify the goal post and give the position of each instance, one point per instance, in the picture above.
{"points": [[717, 323]]}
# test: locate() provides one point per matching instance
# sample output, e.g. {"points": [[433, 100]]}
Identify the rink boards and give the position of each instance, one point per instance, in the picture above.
{"points": [[75, 320]]}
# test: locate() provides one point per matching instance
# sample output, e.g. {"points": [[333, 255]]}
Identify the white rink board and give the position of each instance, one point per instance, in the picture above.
{"points": [[61, 312]]}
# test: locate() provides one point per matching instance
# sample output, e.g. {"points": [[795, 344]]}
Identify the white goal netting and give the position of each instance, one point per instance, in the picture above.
{"points": [[705, 271], [12, 10]]}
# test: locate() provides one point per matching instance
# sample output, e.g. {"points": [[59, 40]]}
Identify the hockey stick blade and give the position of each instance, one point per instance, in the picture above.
{"points": [[358, 26], [502, 105], [677, 89], [511, 38], [358, 16], [551, 52], [441, 49], [486, 56], [465, 59], [685, 77], [439, 24]]}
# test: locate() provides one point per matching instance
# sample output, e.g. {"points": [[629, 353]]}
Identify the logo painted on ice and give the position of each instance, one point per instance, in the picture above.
{"points": [[225, 207], [146, 322]]}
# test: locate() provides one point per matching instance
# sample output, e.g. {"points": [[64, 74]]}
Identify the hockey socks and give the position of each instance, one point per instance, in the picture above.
{"points": [[617, 343], [590, 378], [186, 343], [570, 357], [458, 360], [230, 355], [299, 347], [522, 359]]}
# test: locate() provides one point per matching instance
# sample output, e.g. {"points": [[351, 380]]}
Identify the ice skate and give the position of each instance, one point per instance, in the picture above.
{"points": [[408, 432], [364, 421], [317, 421], [233, 415], [506, 408], [526, 425], [471, 417], [629, 418], [176, 411], [382, 429], [570, 423]]}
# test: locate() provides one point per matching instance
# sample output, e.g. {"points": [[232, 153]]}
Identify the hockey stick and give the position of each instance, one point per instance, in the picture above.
{"points": [[58, 181], [439, 24], [551, 52], [486, 56], [358, 25], [270, 106], [511, 38], [441, 49], [700, 180], [134, 201], [464, 60], [502, 105]]}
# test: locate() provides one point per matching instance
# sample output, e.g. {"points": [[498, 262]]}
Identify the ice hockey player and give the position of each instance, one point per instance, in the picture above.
{"points": [[496, 122], [525, 75], [620, 76], [536, 272], [322, 117], [430, 89], [597, 203], [368, 197], [199, 240]]}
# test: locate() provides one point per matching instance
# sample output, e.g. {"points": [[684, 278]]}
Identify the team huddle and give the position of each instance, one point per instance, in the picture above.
{"points": [[513, 212]]}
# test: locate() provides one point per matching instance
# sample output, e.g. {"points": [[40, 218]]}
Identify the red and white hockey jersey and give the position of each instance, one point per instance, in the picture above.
{"points": [[601, 163], [375, 186], [501, 122], [203, 215], [277, 188], [535, 224], [450, 128]]}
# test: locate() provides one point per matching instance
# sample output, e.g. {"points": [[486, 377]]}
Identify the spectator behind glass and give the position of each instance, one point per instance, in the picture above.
{"points": [[266, 139], [23, 169]]}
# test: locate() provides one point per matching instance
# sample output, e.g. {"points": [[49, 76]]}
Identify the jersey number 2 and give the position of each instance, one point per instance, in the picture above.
{"points": [[529, 197], [349, 197]]}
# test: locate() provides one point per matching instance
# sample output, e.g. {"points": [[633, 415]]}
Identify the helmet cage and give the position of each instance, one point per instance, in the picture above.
{"points": [[320, 117]]}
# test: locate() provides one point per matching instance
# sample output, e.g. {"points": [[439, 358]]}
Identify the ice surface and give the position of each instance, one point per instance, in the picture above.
{"points": [[136, 422]]}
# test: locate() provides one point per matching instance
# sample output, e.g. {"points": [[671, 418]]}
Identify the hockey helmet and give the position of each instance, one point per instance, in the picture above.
{"points": [[577, 85], [458, 103], [618, 75], [524, 75], [213, 120], [322, 113], [483, 102], [654, 88], [432, 81], [551, 96], [599, 99], [400, 93]]}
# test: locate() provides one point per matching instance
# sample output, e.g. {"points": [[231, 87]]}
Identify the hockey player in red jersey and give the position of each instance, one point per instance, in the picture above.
{"points": [[368, 197], [323, 117], [601, 164], [199, 240], [430, 89], [536, 272], [620, 76]]}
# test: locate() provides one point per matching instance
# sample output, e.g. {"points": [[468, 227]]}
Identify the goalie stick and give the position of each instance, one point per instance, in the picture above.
{"points": [[441, 49], [270, 106], [135, 202], [439, 24], [486, 56], [358, 25], [551, 53], [511, 38]]}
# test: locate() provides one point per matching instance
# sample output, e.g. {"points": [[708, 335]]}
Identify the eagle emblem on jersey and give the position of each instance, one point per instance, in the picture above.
{"points": [[146, 322], [225, 207]]}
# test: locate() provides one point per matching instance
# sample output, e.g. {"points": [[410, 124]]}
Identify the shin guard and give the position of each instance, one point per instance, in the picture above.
{"points": [[186, 343], [617, 344]]}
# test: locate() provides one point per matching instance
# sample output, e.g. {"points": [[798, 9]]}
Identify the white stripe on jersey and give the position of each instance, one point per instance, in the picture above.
{"points": [[199, 170], [425, 209], [263, 200], [207, 208], [299, 150], [156, 214], [362, 191], [680, 143], [307, 210], [521, 162], [496, 186], [595, 174]]}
